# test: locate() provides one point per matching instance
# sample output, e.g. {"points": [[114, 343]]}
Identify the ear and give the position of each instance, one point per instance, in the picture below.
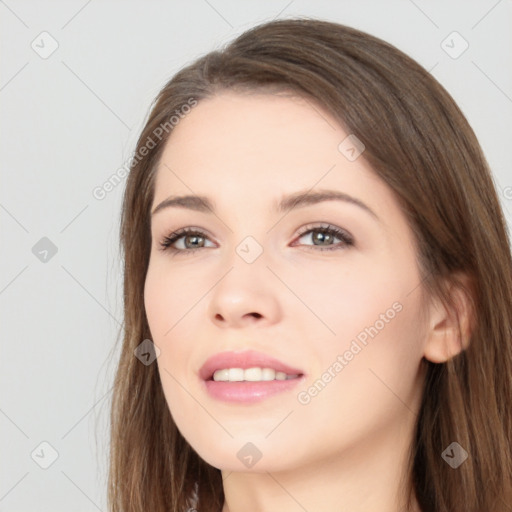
{"points": [[450, 326]]}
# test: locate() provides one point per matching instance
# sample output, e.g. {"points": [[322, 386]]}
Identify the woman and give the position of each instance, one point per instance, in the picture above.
{"points": [[317, 289]]}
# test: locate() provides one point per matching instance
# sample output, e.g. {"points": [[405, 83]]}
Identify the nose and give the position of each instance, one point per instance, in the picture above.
{"points": [[234, 318], [245, 296]]}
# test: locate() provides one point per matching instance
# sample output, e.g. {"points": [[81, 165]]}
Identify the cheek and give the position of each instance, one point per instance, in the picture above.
{"points": [[374, 322], [347, 296], [168, 297], [167, 301], [375, 358], [362, 387]]}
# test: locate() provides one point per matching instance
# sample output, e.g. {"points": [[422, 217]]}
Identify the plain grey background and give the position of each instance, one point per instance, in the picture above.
{"points": [[77, 79]]}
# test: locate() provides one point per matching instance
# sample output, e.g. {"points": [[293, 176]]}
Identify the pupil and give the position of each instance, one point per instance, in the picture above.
{"points": [[194, 238], [323, 237]]}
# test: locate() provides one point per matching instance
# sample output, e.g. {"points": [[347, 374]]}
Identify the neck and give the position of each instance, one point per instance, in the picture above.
{"points": [[366, 477]]}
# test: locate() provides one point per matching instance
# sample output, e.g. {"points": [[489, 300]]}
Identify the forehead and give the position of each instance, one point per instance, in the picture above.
{"points": [[258, 138], [247, 152]]}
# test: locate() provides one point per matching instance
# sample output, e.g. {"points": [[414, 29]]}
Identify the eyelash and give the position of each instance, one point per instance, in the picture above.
{"points": [[347, 240]]}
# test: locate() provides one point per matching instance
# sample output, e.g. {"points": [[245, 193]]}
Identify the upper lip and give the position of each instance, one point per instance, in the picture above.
{"points": [[244, 360]]}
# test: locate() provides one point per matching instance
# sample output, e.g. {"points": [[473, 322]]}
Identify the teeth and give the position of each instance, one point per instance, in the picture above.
{"points": [[251, 374], [268, 374], [235, 374]]}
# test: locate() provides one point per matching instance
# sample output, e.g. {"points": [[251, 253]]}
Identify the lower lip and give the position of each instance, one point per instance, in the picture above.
{"points": [[249, 392]]}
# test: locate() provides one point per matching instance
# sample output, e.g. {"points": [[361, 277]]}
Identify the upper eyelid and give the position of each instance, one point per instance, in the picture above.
{"points": [[305, 229]]}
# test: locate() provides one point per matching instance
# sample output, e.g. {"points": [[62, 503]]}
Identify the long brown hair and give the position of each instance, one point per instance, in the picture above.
{"points": [[418, 141]]}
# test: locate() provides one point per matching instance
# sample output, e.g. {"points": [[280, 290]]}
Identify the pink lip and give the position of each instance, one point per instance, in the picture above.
{"points": [[246, 392], [245, 359], [249, 392]]}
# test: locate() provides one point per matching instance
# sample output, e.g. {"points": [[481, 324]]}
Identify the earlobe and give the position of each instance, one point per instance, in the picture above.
{"points": [[450, 325]]}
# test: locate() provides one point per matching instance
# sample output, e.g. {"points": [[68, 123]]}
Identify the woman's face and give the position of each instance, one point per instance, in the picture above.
{"points": [[343, 309]]}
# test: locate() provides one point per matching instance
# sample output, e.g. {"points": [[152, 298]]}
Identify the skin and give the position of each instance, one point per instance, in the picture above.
{"points": [[346, 449]]}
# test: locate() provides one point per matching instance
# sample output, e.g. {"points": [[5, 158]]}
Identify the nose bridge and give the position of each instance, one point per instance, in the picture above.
{"points": [[246, 291], [249, 236], [250, 249], [247, 264]]}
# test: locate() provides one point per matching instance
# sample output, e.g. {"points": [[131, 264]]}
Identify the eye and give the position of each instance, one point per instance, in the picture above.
{"points": [[324, 235], [195, 239]]}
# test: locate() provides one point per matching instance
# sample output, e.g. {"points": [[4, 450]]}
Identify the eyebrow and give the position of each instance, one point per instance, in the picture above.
{"points": [[297, 200]]}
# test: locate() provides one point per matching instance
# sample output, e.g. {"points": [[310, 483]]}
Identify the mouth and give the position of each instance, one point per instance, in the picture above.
{"points": [[246, 366], [248, 377], [253, 374]]}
